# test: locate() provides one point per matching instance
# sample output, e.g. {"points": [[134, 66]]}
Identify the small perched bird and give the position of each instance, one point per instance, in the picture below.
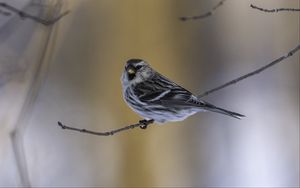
{"points": [[155, 97]]}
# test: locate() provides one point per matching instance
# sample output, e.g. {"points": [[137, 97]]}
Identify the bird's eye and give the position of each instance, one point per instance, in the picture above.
{"points": [[131, 73], [138, 67]]}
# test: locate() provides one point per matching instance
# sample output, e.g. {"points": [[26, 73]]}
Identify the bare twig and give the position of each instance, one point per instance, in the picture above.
{"points": [[24, 15], [142, 124], [207, 14], [274, 10], [18, 133], [290, 53]]}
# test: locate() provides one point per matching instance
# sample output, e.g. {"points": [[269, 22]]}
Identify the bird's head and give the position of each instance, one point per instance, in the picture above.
{"points": [[136, 71]]}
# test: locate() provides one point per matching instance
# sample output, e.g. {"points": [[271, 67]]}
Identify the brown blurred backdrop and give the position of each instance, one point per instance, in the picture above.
{"points": [[76, 80]]}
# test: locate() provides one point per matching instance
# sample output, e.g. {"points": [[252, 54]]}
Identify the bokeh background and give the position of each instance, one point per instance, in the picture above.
{"points": [[70, 72]]}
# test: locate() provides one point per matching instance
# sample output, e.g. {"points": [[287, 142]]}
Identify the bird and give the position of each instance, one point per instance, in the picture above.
{"points": [[157, 98]]}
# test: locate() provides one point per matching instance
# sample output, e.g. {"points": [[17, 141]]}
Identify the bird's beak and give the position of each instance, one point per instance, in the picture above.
{"points": [[131, 71]]}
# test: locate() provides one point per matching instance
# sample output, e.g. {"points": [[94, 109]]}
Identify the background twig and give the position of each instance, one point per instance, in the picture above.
{"points": [[207, 14], [5, 13], [17, 134], [34, 18], [273, 10]]}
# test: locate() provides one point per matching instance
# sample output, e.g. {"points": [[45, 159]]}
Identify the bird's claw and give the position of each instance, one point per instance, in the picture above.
{"points": [[144, 124]]}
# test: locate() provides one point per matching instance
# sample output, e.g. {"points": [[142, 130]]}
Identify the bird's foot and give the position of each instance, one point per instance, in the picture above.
{"points": [[144, 123]]}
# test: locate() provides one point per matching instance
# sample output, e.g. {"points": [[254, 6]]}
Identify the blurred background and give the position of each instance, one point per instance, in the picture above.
{"points": [[70, 72]]}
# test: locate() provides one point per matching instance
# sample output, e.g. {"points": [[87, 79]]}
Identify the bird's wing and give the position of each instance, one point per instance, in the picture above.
{"points": [[160, 90]]}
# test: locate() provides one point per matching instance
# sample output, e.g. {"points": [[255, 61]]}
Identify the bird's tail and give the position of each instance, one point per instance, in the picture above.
{"points": [[213, 108]]}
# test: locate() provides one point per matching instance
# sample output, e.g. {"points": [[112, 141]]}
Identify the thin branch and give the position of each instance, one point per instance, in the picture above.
{"points": [[142, 124], [274, 10], [205, 15], [24, 15], [290, 53]]}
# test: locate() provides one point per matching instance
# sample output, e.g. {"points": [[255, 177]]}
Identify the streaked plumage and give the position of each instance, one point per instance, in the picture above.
{"points": [[154, 96]]}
